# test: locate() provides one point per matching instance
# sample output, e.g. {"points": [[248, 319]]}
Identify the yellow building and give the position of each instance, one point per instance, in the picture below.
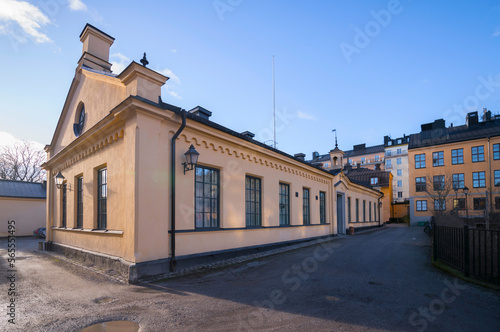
{"points": [[130, 197], [445, 161]]}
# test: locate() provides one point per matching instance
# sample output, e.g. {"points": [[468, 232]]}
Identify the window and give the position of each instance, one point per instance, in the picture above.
{"points": [[322, 207], [477, 153], [305, 207], [364, 210], [373, 181], [398, 161], [377, 157], [388, 163], [388, 153], [439, 182], [79, 202], [284, 204], [497, 203], [420, 184], [400, 172], [253, 201], [398, 151], [369, 212], [497, 178], [399, 141], [420, 160], [478, 180], [457, 156], [350, 161], [479, 203], [400, 194], [348, 209], [459, 204], [400, 183], [102, 196], [326, 165], [421, 205], [458, 181], [64, 206], [357, 209], [496, 151], [439, 205], [363, 160], [438, 158], [207, 197]]}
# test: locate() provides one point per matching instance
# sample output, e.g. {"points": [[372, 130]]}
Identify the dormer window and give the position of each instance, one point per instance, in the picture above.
{"points": [[80, 120], [373, 181]]}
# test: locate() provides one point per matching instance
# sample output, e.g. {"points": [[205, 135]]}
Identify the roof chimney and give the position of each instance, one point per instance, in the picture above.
{"points": [[96, 45], [300, 156], [315, 154], [201, 112], [248, 134]]}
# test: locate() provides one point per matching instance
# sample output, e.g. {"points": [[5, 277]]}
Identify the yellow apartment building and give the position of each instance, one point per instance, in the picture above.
{"points": [[143, 187], [448, 162]]}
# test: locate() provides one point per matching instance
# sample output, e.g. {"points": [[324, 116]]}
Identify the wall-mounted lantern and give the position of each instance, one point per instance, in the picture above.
{"points": [[59, 180], [191, 159]]}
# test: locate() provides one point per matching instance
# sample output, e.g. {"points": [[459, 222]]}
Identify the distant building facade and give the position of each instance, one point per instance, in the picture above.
{"points": [[446, 160], [396, 161]]}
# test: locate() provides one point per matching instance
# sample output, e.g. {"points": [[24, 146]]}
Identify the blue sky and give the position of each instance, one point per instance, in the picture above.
{"points": [[365, 68]]}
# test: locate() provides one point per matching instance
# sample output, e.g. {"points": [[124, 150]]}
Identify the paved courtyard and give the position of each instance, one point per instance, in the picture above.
{"points": [[376, 281]]}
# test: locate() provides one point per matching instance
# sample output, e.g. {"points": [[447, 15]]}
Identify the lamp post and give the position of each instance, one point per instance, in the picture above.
{"points": [[59, 180], [466, 192], [191, 159]]}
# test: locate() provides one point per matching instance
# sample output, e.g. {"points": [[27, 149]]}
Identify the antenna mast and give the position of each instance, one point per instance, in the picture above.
{"points": [[274, 109], [335, 131]]}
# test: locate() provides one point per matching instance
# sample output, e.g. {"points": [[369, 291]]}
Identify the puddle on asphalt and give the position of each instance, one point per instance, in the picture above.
{"points": [[113, 326]]}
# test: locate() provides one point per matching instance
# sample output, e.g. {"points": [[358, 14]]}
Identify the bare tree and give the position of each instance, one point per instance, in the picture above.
{"points": [[22, 161], [439, 187]]}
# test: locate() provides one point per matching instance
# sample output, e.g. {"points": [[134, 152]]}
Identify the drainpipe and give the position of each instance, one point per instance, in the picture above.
{"points": [[487, 219], [172, 191]]}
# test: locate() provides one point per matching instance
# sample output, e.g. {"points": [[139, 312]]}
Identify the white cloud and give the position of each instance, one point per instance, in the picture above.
{"points": [[9, 139], [305, 116], [119, 62], [27, 16], [167, 72], [77, 5], [497, 32], [174, 94]]}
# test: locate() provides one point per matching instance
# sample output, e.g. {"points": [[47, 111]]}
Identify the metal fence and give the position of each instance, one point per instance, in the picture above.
{"points": [[473, 251]]}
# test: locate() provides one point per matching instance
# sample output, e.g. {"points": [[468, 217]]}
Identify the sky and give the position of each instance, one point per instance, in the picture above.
{"points": [[365, 68]]}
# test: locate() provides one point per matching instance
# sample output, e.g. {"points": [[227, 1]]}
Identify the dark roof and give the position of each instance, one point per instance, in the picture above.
{"points": [[93, 27], [455, 134], [21, 189], [320, 159], [363, 175], [216, 126], [368, 150]]}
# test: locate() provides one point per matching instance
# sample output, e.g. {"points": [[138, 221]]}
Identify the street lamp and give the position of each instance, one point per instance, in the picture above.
{"points": [[59, 180], [466, 192], [191, 159]]}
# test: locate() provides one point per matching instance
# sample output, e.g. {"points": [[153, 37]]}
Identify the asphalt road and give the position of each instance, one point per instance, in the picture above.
{"points": [[377, 281]]}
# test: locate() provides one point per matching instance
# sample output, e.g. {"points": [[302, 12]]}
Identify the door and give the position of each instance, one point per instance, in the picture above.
{"points": [[341, 229]]}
